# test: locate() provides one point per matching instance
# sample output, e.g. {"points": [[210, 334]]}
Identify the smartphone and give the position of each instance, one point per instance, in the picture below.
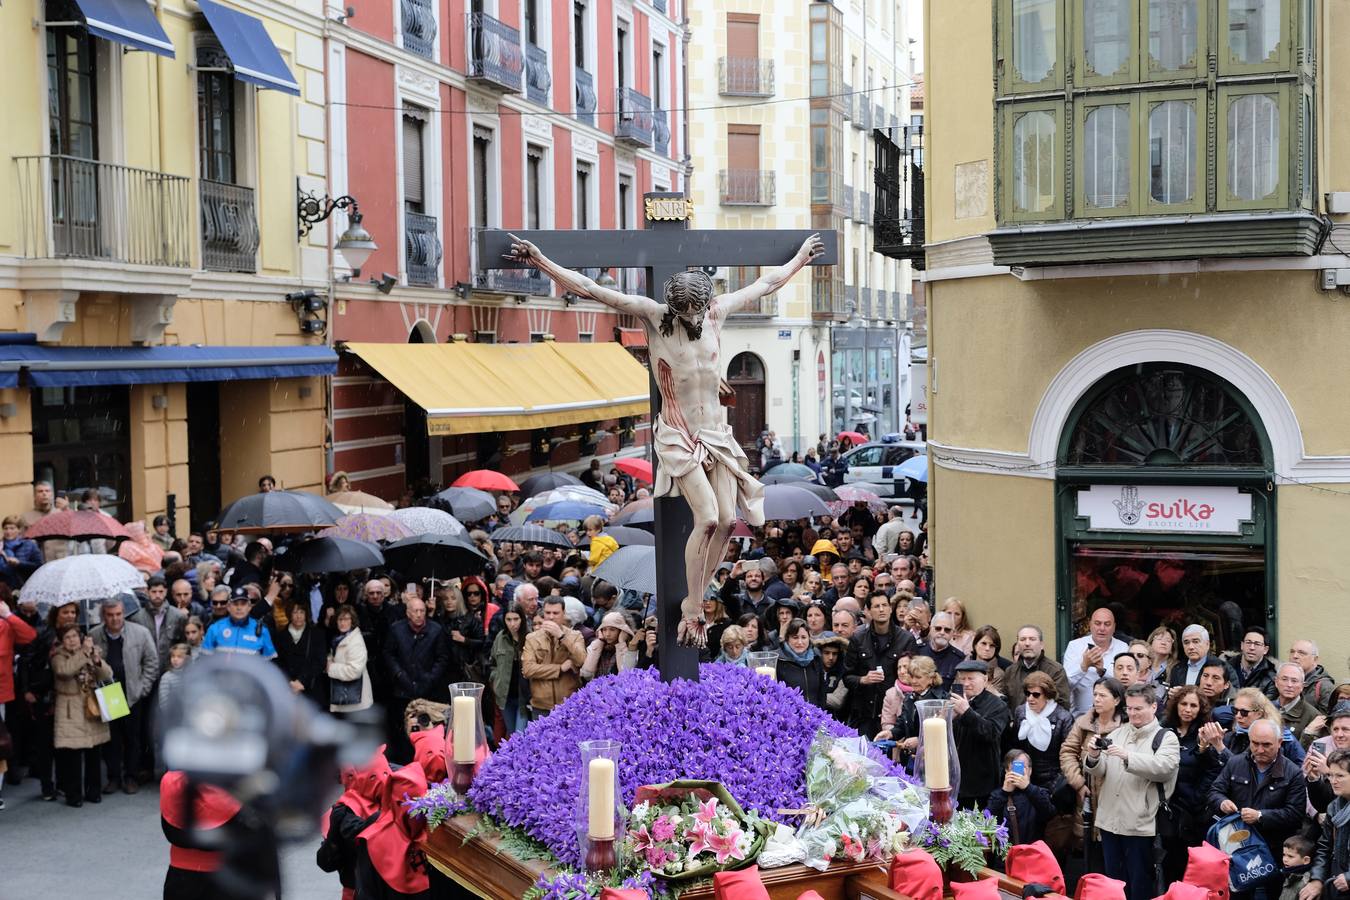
{"points": [[411, 588], [958, 689], [1019, 767]]}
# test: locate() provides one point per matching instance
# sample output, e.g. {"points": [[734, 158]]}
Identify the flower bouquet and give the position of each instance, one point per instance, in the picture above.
{"points": [[857, 810], [686, 829], [966, 841]]}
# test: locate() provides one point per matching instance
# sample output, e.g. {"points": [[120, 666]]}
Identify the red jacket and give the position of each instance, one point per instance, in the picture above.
{"points": [[13, 630]]}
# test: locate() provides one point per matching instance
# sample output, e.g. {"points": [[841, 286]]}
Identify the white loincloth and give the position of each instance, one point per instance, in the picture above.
{"points": [[711, 447]]}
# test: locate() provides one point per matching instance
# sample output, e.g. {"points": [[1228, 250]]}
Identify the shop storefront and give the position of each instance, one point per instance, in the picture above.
{"points": [[865, 366], [1165, 506]]}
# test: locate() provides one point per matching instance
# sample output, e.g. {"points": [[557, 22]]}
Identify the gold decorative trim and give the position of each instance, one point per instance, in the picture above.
{"points": [[669, 209]]}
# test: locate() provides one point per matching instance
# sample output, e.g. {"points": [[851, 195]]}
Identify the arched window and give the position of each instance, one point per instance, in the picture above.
{"points": [[1164, 415], [745, 367]]}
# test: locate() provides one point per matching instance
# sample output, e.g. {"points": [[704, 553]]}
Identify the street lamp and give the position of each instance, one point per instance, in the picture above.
{"points": [[355, 244]]}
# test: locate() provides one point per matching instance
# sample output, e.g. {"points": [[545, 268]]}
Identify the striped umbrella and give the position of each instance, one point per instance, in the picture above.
{"points": [[531, 534], [368, 527]]}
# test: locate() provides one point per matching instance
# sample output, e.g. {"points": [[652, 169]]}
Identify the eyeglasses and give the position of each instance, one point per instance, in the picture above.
{"points": [[939, 628], [1037, 694], [1239, 711], [1140, 655], [219, 602], [1257, 643], [473, 593]]}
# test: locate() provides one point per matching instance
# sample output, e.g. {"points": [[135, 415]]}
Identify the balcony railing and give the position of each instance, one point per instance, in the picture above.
{"points": [[419, 27], [229, 228], [495, 57], [422, 249], [95, 210], [635, 124], [745, 76], [748, 187], [538, 78], [898, 227], [661, 133], [585, 99]]}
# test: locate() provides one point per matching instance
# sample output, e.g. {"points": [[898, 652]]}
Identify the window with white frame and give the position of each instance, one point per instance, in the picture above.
{"points": [[585, 209], [483, 170], [535, 190]]}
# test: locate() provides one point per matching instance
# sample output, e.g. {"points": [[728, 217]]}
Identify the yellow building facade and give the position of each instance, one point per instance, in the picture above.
{"points": [[148, 242], [1136, 315]]}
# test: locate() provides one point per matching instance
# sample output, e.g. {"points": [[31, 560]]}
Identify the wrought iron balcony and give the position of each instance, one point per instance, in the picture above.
{"points": [[422, 249], [495, 57], [898, 227], [538, 78], [745, 76], [748, 187], [229, 227], [661, 134], [635, 124], [88, 209], [419, 27], [586, 98]]}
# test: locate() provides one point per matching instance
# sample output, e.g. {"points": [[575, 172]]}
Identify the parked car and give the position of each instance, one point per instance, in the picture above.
{"points": [[873, 464]]}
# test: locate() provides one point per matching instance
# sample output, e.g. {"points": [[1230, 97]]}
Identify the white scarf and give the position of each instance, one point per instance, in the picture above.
{"points": [[297, 632], [1036, 729]]}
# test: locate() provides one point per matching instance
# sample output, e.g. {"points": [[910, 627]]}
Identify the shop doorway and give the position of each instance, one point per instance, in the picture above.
{"points": [[746, 377], [203, 424], [1166, 507]]}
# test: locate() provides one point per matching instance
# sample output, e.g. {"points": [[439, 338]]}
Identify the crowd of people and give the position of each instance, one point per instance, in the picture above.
{"points": [[1121, 742]]}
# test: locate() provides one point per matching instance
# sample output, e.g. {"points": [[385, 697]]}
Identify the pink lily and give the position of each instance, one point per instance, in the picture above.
{"points": [[725, 846], [707, 812], [700, 834], [640, 839]]}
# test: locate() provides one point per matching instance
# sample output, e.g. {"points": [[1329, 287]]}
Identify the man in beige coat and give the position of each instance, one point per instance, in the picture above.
{"points": [[552, 659]]}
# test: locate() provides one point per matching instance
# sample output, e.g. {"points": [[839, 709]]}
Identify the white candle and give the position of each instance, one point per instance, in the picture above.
{"points": [[464, 711], [600, 788], [936, 774], [767, 671]]}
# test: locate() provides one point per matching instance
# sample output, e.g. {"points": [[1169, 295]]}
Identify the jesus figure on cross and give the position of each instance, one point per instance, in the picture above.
{"points": [[698, 456]]}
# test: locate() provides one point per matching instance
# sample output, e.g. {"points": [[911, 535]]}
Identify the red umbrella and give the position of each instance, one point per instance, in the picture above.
{"points": [[486, 480], [855, 437], [639, 468], [77, 525], [741, 529]]}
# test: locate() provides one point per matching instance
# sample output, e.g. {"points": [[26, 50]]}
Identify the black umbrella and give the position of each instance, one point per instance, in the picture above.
{"points": [[275, 511], [530, 533], [439, 556], [465, 503], [329, 554], [776, 477], [643, 517], [791, 501], [630, 568], [823, 492], [545, 482], [626, 537]]}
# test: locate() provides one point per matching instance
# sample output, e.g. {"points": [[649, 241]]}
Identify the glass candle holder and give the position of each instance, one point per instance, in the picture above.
{"points": [[935, 760], [600, 810], [764, 662], [465, 736]]}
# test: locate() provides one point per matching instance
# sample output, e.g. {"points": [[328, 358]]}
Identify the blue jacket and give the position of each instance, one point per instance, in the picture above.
{"points": [[229, 636], [29, 557]]}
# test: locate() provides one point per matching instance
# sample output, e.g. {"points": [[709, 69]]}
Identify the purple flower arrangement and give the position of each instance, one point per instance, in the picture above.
{"points": [[741, 729]]}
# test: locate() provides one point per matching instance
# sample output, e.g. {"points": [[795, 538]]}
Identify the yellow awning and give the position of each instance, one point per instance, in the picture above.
{"points": [[474, 388]]}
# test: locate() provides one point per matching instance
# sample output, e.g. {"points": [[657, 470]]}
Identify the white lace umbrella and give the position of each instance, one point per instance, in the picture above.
{"points": [[80, 579], [425, 520], [568, 493]]}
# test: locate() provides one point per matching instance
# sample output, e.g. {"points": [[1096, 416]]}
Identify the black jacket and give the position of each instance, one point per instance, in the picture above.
{"points": [[907, 725], [305, 660], [1176, 676], [1044, 763], [866, 651], [946, 660], [467, 652], [1033, 808], [1262, 677], [1333, 849], [1282, 797], [1195, 774], [809, 679], [417, 661], [978, 733]]}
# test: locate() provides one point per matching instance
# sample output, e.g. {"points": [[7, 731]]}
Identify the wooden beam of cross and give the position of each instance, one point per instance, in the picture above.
{"points": [[664, 247]]}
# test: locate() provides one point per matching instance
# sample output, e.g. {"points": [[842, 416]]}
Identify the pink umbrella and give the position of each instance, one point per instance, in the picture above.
{"points": [[366, 527], [850, 494], [640, 469], [486, 480], [77, 525]]}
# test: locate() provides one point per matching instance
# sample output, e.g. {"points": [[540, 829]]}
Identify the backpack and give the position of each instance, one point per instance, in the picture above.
{"points": [[1251, 862]]}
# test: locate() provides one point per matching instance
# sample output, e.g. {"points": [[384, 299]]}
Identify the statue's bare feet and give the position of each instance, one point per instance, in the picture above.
{"points": [[692, 632]]}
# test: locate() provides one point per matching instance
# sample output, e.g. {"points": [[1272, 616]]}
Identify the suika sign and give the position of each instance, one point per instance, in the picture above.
{"points": [[1204, 510]]}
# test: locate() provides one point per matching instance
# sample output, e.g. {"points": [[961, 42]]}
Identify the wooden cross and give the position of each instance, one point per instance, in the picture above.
{"points": [[664, 247]]}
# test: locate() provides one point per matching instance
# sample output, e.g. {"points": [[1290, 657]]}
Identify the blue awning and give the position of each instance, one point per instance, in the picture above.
{"points": [[129, 22], [250, 49], [95, 366]]}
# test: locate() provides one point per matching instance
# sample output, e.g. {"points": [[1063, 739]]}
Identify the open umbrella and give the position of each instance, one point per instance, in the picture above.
{"points": [[790, 501], [438, 556], [79, 579], [485, 480], [822, 491], [915, 468], [628, 537], [546, 481], [631, 568], [328, 554], [639, 468], [800, 470], [360, 502], [741, 529], [567, 493], [565, 511], [77, 525], [278, 511], [630, 509], [773, 476], [644, 517], [855, 437], [850, 494], [531, 534], [425, 520], [367, 527], [466, 503]]}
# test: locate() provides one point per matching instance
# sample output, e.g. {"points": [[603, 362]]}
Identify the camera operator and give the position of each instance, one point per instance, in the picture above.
{"points": [[1132, 761]]}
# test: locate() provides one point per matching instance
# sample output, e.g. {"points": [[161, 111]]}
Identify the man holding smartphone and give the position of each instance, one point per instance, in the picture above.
{"points": [[981, 719], [1320, 794]]}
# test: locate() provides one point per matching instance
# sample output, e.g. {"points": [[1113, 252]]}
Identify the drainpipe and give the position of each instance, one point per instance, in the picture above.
{"points": [[685, 38]]}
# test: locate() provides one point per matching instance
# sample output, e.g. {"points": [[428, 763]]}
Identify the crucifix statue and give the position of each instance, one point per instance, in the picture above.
{"points": [[697, 457]]}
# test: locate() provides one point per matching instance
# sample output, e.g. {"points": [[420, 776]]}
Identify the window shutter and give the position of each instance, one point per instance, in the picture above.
{"points": [[412, 161]]}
